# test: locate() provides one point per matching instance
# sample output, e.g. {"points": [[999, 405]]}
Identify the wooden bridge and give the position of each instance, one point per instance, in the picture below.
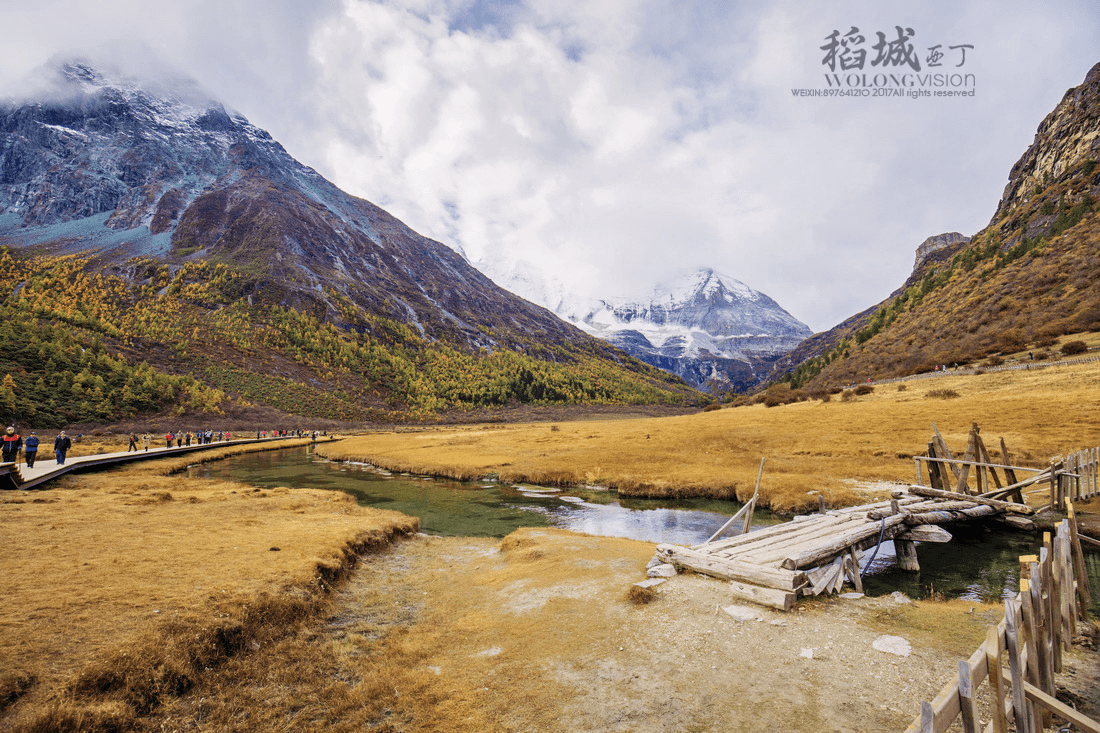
{"points": [[817, 553]]}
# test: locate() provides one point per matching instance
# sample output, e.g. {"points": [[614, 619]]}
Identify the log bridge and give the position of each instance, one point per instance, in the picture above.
{"points": [[817, 553]]}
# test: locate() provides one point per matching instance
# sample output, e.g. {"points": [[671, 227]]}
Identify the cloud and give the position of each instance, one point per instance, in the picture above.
{"points": [[610, 143]]}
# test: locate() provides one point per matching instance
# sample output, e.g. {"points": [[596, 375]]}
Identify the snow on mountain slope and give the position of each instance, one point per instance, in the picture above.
{"points": [[709, 328]]}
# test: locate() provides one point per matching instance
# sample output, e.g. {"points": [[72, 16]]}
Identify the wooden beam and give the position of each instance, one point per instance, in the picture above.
{"points": [[771, 597], [995, 503], [1056, 706], [924, 533], [730, 569]]}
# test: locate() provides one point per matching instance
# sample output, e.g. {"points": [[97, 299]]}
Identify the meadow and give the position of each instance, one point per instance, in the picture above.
{"points": [[125, 587], [830, 446]]}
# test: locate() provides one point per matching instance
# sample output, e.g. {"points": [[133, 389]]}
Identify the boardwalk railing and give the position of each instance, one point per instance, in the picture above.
{"points": [[1038, 627]]}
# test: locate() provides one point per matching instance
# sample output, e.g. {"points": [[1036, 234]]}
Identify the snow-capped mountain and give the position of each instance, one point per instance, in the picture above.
{"points": [[709, 328]]}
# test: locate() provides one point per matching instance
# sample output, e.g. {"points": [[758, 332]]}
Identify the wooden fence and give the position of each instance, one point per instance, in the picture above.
{"points": [[1038, 626], [1078, 480]]}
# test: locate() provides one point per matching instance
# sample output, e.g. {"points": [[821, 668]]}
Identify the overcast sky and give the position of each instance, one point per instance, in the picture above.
{"points": [[614, 142]]}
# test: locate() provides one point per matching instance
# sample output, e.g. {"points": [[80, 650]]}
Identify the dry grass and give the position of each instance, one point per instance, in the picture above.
{"points": [[122, 588], [808, 445]]}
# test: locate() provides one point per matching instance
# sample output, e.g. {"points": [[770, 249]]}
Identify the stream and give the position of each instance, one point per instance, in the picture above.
{"points": [[978, 564]]}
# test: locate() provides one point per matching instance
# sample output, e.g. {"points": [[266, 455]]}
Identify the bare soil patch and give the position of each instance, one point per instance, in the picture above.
{"points": [[536, 633]]}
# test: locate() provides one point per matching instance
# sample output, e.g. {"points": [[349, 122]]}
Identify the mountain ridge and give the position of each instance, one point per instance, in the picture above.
{"points": [[261, 261]]}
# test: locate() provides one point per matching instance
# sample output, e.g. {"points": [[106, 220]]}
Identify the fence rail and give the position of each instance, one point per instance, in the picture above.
{"points": [[1039, 625]]}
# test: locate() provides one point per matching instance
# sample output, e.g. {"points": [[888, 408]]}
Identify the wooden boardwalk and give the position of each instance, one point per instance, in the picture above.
{"points": [[817, 553], [18, 476]]}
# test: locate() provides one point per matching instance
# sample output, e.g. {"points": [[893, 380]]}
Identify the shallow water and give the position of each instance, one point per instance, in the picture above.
{"points": [[978, 564]]}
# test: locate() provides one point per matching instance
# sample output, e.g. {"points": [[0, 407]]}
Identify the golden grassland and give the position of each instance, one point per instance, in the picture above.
{"points": [[808, 446], [123, 587]]}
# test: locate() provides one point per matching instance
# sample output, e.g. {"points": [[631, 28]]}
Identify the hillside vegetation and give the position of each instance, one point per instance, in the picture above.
{"points": [[80, 345]]}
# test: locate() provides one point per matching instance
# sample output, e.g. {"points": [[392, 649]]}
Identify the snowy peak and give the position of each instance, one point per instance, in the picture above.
{"points": [[709, 328]]}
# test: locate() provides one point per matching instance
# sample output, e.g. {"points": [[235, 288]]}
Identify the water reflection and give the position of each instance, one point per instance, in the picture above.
{"points": [[481, 509]]}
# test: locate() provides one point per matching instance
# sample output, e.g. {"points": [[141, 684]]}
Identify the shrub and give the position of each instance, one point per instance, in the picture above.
{"points": [[903, 387], [863, 389], [1042, 355], [1074, 347], [712, 407], [994, 361], [1045, 342], [848, 395], [942, 394]]}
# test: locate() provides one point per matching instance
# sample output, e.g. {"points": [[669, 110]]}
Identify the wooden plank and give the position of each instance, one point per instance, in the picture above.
{"points": [[729, 569], [1056, 706], [1015, 488], [967, 704], [779, 549], [1007, 506], [772, 597], [1084, 592], [760, 534], [993, 666], [810, 556], [1015, 666]]}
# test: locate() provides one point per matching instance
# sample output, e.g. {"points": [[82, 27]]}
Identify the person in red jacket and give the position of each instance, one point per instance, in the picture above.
{"points": [[12, 443]]}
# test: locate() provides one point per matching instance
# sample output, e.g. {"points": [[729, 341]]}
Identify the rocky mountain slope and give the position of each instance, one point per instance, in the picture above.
{"points": [[161, 193], [1028, 278]]}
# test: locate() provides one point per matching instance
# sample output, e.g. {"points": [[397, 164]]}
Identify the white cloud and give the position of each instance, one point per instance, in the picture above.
{"points": [[611, 142]]}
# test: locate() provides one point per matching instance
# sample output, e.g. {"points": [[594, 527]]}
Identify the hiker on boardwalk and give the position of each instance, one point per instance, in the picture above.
{"points": [[146, 439], [168, 439], [61, 446], [133, 443], [30, 449], [12, 443]]}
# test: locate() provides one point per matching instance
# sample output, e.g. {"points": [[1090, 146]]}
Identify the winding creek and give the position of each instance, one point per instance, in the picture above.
{"points": [[978, 564]]}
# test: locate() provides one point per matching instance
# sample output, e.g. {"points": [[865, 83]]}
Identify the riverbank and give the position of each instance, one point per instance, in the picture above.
{"points": [[126, 587], [537, 632], [829, 447]]}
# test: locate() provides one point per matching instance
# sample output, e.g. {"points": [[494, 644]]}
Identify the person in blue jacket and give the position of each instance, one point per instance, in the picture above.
{"points": [[61, 445], [30, 449]]}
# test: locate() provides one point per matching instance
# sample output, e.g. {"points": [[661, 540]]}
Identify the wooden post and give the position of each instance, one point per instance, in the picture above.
{"points": [[905, 552], [933, 468], [1010, 474], [1053, 487], [996, 683], [1020, 714], [857, 580], [1041, 628], [1084, 593], [964, 470], [985, 458], [944, 452], [968, 707]]}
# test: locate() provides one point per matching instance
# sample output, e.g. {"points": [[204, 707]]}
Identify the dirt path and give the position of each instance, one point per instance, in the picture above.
{"points": [[536, 634]]}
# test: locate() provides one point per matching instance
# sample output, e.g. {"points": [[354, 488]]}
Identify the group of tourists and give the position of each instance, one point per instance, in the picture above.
{"points": [[13, 442]]}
